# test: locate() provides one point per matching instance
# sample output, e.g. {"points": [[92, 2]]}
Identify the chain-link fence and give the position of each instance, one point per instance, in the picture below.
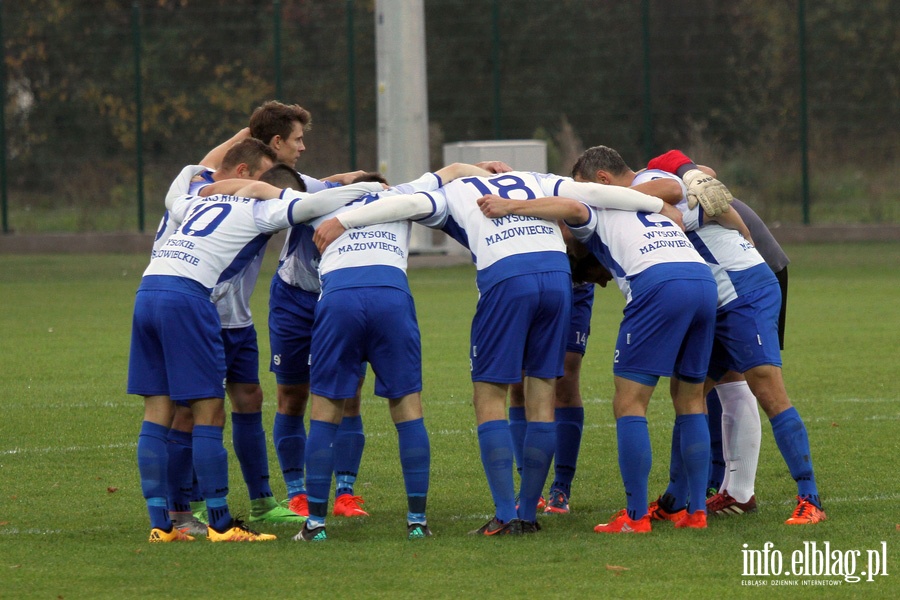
{"points": [[796, 104]]}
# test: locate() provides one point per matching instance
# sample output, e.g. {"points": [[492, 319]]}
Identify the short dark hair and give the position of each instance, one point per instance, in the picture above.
{"points": [[274, 118], [283, 176], [370, 176], [599, 158], [251, 152]]}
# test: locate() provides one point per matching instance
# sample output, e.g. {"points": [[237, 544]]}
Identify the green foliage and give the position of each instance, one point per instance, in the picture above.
{"points": [[72, 520]]}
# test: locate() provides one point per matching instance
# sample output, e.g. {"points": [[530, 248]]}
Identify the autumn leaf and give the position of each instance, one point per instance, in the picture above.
{"points": [[616, 568], [112, 490]]}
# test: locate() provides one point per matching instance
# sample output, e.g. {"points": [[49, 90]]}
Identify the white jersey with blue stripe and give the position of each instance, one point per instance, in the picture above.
{"points": [[298, 264], [736, 265], [374, 255], [628, 243], [504, 247], [242, 226], [232, 297]]}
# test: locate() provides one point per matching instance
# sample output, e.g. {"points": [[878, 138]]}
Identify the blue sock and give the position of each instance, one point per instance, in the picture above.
{"points": [[348, 448], [517, 425], [180, 470], [211, 465], [249, 440], [415, 461], [569, 426], [695, 458], [289, 437], [319, 466], [495, 443], [540, 442], [717, 455], [635, 459], [791, 437], [676, 495], [153, 461]]}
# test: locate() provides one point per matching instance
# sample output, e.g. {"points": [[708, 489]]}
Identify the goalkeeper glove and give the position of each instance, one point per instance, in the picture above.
{"points": [[708, 191]]}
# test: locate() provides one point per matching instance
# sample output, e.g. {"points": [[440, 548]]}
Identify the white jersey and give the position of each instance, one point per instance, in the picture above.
{"points": [[628, 243], [384, 245], [232, 297], [298, 264], [736, 265], [242, 227], [508, 246]]}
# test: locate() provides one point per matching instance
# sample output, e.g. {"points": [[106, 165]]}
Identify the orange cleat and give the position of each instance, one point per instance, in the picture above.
{"points": [[348, 505], [620, 523], [658, 513], [806, 513], [694, 520]]}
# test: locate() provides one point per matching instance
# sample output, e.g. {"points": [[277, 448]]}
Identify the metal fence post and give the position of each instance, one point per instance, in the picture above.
{"points": [[138, 110], [351, 85], [804, 108], [276, 41], [4, 187], [648, 98], [495, 60]]}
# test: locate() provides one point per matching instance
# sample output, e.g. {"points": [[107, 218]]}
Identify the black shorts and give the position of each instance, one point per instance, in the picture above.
{"points": [[782, 277]]}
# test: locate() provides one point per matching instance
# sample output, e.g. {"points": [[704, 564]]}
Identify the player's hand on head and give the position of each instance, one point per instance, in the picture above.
{"points": [[327, 232], [712, 195], [494, 166], [493, 206]]}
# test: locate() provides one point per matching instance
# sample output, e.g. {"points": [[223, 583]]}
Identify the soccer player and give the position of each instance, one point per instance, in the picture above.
{"points": [[568, 410], [293, 294], [747, 341], [239, 157], [735, 428], [666, 332], [177, 354], [520, 321], [232, 298], [366, 313]]}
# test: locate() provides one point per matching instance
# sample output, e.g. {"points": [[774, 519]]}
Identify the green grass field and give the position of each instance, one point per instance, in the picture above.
{"points": [[73, 522]]}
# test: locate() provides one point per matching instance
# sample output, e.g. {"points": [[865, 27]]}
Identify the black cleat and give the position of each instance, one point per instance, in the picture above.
{"points": [[495, 527]]}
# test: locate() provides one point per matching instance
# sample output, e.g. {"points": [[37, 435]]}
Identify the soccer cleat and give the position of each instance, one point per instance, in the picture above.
{"points": [[722, 505], [694, 520], [347, 505], [806, 513], [495, 527], [186, 522], [238, 532], [417, 531], [530, 527], [316, 534], [158, 536], [658, 513], [710, 492], [558, 504], [299, 504], [266, 510], [621, 523], [199, 511]]}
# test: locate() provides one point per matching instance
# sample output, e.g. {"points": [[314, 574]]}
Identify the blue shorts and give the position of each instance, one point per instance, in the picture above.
{"points": [[747, 332], [353, 325], [291, 314], [520, 325], [241, 355], [580, 325], [176, 346], [667, 331]]}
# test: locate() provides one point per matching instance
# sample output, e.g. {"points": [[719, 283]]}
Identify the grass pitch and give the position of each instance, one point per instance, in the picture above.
{"points": [[73, 522]]}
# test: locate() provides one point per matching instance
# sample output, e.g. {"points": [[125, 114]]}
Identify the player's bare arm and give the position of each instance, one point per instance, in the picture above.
{"points": [[732, 220], [664, 188], [552, 208], [213, 159]]}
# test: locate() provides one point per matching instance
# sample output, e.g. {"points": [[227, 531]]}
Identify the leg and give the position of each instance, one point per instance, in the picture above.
{"points": [[569, 417], [211, 460], [325, 416], [289, 437], [539, 444], [690, 404], [767, 385], [348, 449], [496, 446], [153, 458], [415, 460], [517, 421]]}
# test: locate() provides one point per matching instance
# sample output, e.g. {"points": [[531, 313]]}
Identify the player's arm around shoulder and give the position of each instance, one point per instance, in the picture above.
{"points": [[552, 208]]}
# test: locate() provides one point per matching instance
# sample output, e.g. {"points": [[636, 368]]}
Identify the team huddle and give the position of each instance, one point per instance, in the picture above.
{"points": [[703, 307]]}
